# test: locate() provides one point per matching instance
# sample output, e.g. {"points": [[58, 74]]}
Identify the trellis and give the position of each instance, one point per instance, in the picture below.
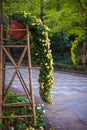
{"points": [[5, 52]]}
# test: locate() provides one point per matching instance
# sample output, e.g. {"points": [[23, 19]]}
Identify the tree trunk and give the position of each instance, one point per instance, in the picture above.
{"points": [[1, 20], [1, 59], [86, 26], [41, 10]]}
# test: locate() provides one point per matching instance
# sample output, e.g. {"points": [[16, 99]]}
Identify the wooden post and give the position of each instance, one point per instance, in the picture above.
{"points": [[30, 77], [1, 59], [1, 69]]}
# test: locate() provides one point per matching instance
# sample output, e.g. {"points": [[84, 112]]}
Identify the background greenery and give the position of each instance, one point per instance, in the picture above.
{"points": [[66, 20]]}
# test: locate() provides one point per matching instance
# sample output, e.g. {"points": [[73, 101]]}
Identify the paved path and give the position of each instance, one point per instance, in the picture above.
{"points": [[69, 110]]}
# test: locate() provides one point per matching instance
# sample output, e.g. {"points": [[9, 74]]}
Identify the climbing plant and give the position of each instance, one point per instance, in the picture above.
{"points": [[78, 51], [40, 51], [74, 51]]}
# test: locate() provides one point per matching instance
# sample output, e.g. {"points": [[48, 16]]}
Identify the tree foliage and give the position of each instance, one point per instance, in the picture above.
{"points": [[67, 16], [60, 15]]}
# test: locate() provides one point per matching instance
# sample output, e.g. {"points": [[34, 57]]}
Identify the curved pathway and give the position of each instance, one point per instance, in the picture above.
{"points": [[69, 108]]}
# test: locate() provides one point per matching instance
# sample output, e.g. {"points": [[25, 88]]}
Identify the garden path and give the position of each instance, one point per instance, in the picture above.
{"points": [[69, 108]]}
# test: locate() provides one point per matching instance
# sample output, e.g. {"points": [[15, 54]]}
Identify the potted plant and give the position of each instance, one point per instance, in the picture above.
{"points": [[40, 51], [17, 28]]}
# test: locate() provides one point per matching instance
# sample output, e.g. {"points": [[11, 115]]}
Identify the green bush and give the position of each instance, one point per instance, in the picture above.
{"points": [[22, 123]]}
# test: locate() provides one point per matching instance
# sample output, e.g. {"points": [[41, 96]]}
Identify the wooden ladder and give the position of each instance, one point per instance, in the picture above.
{"points": [[5, 52]]}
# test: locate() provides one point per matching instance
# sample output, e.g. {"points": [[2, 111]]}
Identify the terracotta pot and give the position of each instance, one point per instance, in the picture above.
{"points": [[17, 34]]}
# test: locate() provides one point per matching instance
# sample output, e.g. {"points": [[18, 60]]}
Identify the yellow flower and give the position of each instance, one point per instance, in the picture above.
{"points": [[33, 24], [43, 40], [73, 55]]}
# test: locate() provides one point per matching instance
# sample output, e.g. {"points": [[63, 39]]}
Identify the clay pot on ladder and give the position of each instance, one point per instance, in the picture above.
{"points": [[17, 30]]}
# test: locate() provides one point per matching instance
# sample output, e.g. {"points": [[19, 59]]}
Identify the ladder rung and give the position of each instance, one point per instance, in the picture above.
{"points": [[15, 116], [16, 95], [15, 104], [15, 46], [16, 29], [10, 68]]}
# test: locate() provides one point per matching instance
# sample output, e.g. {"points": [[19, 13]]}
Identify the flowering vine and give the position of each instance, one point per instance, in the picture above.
{"points": [[40, 51], [74, 51], [78, 50]]}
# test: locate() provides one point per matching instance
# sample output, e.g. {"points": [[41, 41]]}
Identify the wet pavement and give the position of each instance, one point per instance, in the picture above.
{"points": [[69, 108]]}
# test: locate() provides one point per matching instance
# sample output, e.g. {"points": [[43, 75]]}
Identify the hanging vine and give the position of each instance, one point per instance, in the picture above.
{"points": [[40, 51]]}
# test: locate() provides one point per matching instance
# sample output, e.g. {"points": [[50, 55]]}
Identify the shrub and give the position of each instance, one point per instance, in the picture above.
{"points": [[22, 123]]}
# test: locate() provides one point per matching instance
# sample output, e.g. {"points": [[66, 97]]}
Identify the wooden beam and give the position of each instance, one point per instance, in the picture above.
{"points": [[16, 116], [30, 76], [1, 58], [1, 69], [16, 104], [14, 46]]}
